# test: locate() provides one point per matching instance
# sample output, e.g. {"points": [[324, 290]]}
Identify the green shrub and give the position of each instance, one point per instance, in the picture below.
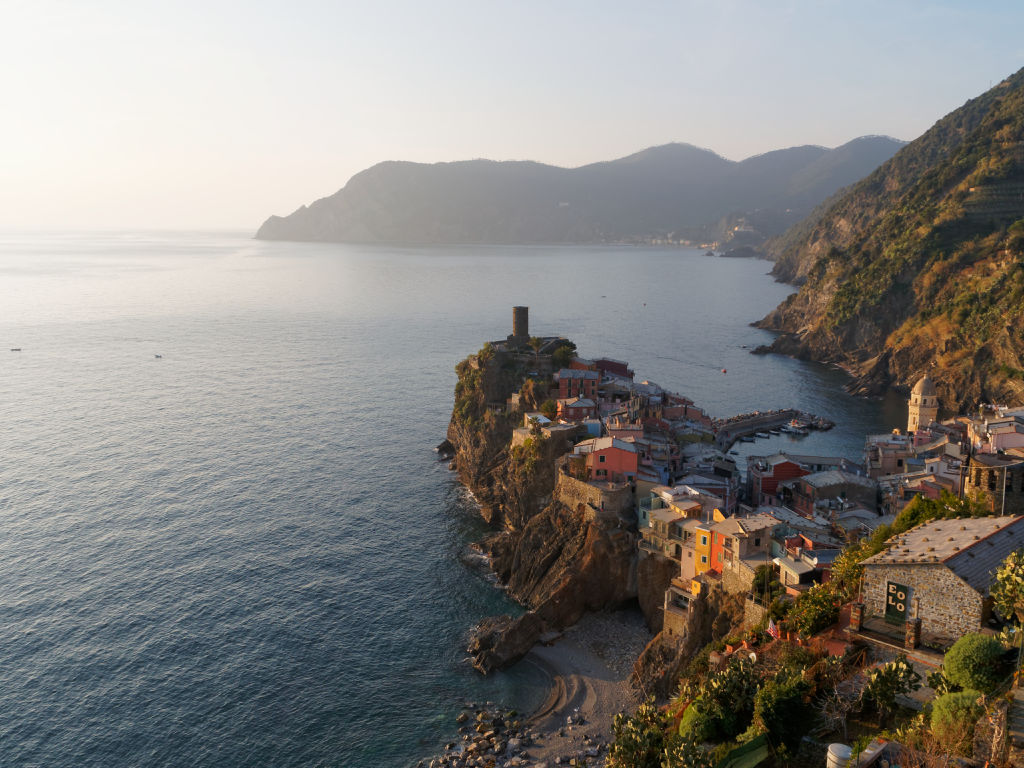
{"points": [[639, 738], [695, 722], [549, 408], [885, 683], [779, 709], [953, 718], [974, 661], [814, 610]]}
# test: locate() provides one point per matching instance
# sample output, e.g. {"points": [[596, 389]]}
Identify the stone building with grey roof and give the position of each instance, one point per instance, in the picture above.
{"points": [[940, 572]]}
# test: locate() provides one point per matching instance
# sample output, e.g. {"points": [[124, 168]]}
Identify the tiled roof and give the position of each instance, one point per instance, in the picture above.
{"points": [[832, 477], [970, 547], [572, 373], [741, 526]]}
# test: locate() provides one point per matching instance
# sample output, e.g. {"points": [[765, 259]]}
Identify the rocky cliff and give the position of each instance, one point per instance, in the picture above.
{"points": [[658, 669], [920, 266], [556, 561]]}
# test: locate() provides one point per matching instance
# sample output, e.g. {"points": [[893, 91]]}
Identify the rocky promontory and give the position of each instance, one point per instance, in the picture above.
{"points": [[558, 560]]}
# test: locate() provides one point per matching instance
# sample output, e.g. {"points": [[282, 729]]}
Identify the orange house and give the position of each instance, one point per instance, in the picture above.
{"points": [[609, 458], [703, 545]]}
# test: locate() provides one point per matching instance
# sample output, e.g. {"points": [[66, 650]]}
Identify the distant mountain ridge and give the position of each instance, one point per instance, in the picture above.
{"points": [[675, 188], [920, 266]]}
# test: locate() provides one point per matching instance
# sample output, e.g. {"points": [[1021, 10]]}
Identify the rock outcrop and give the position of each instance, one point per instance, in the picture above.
{"points": [[561, 565], [654, 573], [557, 561], [659, 667], [500, 641]]}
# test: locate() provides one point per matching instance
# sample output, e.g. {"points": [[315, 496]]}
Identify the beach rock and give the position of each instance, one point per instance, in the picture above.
{"points": [[500, 641], [463, 717]]}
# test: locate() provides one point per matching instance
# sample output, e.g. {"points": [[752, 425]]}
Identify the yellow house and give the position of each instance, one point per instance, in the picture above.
{"points": [[702, 543]]}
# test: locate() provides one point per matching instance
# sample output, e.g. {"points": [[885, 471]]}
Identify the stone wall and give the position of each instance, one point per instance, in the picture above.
{"points": [[947, 607], [737, 578], [676, 622], [572, 492], [987, 484], [753, 614]]}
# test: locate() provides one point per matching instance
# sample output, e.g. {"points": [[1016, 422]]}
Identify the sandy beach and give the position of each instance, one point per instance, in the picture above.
{"points": [[590, 667]]}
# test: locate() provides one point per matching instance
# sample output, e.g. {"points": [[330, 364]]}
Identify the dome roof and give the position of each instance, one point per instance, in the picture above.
{"points": [[925, 387]]}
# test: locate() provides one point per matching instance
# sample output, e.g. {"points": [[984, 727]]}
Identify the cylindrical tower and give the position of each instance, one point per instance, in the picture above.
{"points": [[521, 322], [923, 406]]}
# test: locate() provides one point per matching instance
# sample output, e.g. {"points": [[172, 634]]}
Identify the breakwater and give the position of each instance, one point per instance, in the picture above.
{"points": [[728, 431]]}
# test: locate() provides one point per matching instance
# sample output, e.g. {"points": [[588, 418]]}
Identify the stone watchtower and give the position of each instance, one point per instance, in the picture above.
{"points": [[923, 406], [520, 327]]}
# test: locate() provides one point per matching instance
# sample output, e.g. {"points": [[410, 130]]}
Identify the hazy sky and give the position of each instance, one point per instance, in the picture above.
{"points": [[216, 114]]}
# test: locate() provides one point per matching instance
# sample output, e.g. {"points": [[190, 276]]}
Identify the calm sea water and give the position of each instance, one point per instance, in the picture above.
{"points": [[245, 553]]}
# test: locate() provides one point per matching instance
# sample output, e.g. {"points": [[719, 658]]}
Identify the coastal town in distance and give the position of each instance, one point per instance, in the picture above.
{"points": [[866, 593]]}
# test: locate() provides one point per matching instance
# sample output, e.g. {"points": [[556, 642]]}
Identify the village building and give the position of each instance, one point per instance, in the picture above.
{"points": [[827, 490], [739, 545], [576, 408], [608, 458], [887, 454], [999, 431], [614, 368], [576, 383], [666, 532], [725, 488], [997, 481], [923, 406], [765, 473], [940, 573]]}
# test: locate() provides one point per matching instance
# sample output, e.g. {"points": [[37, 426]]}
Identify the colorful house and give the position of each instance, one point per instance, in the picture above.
{"points": [[765, 474], [576, 383], [576, 409], [608, 458]]}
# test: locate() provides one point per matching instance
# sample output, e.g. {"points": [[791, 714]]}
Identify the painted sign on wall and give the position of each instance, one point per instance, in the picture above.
{"points": [[896, 601]]}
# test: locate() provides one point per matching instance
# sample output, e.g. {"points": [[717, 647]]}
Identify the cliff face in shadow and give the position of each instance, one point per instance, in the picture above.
{"points": [[920, 267], [676, 188]]}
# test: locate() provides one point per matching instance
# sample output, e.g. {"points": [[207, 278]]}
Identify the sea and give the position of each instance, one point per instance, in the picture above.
{"points": [[225, 536]]}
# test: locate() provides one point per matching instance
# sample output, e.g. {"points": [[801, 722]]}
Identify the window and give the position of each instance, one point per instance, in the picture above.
{"points": [[704, 540], [757, 542], [719, 557], [601, 458], [704, 559]]}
